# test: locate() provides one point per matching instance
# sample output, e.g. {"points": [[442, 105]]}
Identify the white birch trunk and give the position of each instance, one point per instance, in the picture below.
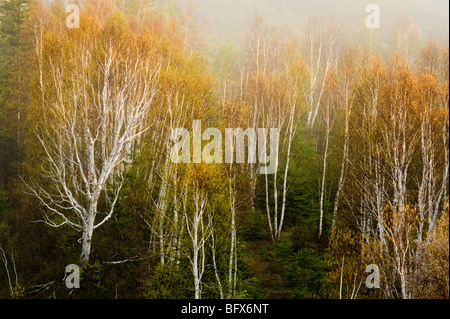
{"points": [[324, 172]]}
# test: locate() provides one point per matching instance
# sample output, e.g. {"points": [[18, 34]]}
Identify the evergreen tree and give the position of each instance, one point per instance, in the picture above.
{"points": [[13, 14]]}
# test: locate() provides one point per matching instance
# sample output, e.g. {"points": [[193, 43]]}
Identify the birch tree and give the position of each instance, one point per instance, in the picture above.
{"points": [[402, 123], [93, 98], [198, 217], [286, 118], [328, 126], [320, 54], [276, 83], [345, 97], [406, 38]]}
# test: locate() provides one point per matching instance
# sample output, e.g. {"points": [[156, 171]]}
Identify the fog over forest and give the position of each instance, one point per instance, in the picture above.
{"points": [[228, 19]]}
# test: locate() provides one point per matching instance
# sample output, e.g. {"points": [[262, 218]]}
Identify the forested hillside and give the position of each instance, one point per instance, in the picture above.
{"points": [[88, 177]]}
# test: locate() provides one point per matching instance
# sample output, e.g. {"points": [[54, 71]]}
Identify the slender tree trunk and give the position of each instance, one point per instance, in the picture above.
{"points": [[231, 264], [216, 272], [324, 172], [162, 207], [195, 263], [288, 158], [87, 236], [342, 175]]}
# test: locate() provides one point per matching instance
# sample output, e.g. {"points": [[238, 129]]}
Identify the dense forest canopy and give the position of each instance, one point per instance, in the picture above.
{"points": [[94, 97]]}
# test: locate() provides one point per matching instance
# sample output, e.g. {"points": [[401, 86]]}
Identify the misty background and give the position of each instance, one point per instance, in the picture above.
{"points": [[229, 20], [220, 21]]}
